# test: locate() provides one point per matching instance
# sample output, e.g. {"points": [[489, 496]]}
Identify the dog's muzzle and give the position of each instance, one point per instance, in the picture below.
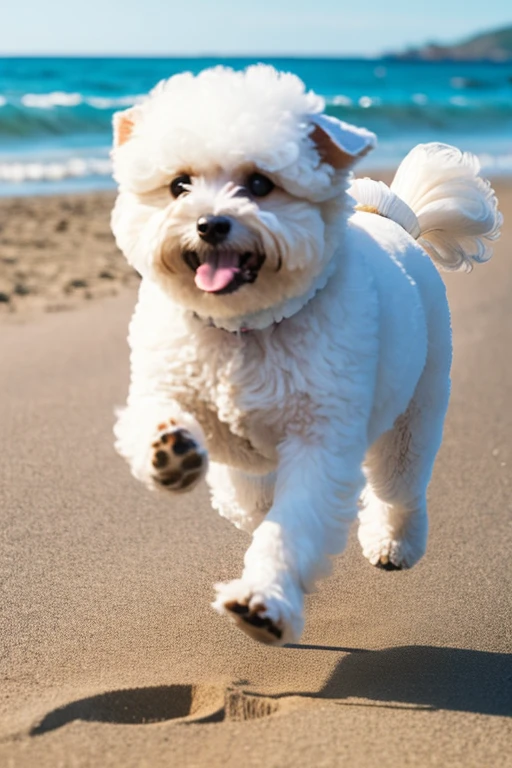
{"points": [[221, 270]]}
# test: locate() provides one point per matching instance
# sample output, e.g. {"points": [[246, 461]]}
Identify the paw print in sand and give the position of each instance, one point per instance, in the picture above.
{"points": [[178, 461]]}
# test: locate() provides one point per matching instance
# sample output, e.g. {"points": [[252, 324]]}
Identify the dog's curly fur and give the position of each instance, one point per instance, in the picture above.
{"points": [[302, 362]]}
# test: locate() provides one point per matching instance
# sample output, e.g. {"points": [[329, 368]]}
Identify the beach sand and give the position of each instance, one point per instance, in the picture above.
{"points": [[57, 252], [110, 652]]}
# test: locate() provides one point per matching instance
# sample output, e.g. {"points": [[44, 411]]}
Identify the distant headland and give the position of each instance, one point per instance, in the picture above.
{"points": [[487, 46]]}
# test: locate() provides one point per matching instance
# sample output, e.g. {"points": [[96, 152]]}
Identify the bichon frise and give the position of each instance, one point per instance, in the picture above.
{"points": [[288, 344]]}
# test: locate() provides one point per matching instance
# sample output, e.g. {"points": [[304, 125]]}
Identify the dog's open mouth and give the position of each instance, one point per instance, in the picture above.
{"points": [[223, 271]]}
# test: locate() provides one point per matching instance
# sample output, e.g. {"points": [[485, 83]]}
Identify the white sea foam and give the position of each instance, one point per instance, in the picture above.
{"points": [[74, 167], [459, 101], [54, 171], [3, 101], [101, 102], [500, 164], [63, 99], [341, 101], [50, 100], [368, 101]]}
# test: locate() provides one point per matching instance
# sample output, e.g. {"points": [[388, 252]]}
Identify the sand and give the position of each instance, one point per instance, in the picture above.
{"points": [[57, 252], [110, 653]]}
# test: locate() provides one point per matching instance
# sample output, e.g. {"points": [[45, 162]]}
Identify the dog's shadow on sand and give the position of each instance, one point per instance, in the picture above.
{"points": [[418, 677], [424, 676]]}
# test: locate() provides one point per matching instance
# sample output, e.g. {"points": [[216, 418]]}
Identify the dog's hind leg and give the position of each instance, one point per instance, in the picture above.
{"points": [[393, 519], [241, 497]]}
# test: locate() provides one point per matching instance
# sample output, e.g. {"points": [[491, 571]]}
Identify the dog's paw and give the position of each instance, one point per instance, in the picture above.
{"points": [[392, 538], [178, 462], [266, 618], [259, 624], [387, 553], [389, 559]]}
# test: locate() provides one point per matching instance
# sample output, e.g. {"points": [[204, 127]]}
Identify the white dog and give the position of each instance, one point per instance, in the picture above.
{"points": [[285, 334]]}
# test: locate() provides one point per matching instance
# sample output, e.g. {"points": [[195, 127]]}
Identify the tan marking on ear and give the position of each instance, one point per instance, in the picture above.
{"points": [[125, 131], [329, 152], [124, 123]]}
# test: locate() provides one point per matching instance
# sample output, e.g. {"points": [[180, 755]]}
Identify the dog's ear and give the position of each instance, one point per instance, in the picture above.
{"points": [[340, 144], [123, 125]]}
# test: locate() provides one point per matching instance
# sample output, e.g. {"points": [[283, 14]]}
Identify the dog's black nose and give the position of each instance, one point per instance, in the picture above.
{"points": [[213, 229]]}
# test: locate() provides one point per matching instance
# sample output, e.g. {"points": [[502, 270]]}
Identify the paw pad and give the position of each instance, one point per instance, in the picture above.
{"points": [[178, 461], [253, 617], [385, 564]]}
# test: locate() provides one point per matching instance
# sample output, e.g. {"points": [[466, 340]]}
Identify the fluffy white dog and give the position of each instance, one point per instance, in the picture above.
{"points": [[287, 339]]}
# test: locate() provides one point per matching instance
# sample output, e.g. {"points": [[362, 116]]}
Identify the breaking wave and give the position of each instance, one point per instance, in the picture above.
{"points": [[60, 113], [56, 114], [72, 168], [36, 115]]}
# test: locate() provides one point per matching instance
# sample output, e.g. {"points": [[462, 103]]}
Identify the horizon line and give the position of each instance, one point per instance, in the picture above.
{"points": [[197, 55]]}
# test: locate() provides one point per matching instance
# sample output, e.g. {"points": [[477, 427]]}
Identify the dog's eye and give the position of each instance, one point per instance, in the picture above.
{"points": [[178, 185], [259, 185]]}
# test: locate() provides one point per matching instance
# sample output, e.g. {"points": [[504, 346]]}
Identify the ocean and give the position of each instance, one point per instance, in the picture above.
{"points": [[55, 113]]}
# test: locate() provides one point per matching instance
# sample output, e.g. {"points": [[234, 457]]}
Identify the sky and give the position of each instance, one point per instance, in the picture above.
{"points": [[254, 27]]}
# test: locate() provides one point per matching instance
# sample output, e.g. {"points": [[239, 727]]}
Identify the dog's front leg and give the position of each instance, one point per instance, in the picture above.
{"points": [[317, 488], [164, 446]]}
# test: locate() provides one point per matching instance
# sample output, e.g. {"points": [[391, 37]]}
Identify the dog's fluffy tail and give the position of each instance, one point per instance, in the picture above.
{"points": [[439, 197]]}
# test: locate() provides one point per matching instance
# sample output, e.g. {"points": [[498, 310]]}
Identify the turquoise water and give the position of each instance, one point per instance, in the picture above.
{"points": [[55, 114]]}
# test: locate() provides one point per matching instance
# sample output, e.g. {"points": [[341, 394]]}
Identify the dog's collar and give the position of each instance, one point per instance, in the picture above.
{"points": [[239, 331], [270, 318]]}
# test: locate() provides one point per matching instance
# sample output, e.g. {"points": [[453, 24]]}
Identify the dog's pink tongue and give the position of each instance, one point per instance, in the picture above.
{"points": [[217, 273]]}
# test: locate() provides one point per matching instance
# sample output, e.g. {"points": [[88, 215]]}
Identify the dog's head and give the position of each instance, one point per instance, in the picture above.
{"points": [[232, 188]]}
